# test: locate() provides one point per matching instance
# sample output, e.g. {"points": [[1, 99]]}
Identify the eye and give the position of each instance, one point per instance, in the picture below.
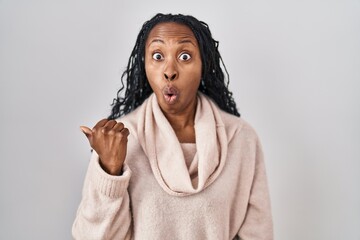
{"points": [[185, 56], [157, 56]]}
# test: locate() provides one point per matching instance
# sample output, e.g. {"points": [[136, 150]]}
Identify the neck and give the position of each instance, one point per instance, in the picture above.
{"points": [[183, 124], [180, 121]]}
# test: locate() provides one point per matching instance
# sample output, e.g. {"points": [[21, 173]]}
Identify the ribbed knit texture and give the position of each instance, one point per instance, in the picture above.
{"points": [[149, 201]]}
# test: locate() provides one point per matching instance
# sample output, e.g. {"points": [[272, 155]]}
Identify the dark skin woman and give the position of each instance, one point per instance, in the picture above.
{"points": [[173, 67], [174, 160]]}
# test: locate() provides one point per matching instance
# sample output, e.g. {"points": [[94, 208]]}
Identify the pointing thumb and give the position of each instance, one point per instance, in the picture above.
{"points": [[87, 131]]}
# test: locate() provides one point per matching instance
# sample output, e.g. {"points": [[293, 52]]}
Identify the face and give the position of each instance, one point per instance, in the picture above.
{"points": [[173, 66]]}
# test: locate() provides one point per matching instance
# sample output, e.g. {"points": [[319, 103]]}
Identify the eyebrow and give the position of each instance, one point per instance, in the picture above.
{"points": [[187, 41], [156, 40], [180, 42]]}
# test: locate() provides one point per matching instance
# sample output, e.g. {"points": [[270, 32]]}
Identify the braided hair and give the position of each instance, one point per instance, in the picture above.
{"points": [[137, 87]]}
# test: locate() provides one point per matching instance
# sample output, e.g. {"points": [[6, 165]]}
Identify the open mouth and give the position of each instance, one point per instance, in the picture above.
{"points": [[170, 94]]}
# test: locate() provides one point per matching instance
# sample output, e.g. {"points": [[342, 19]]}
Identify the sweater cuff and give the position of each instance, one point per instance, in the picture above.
{"points": [[109, 185]]}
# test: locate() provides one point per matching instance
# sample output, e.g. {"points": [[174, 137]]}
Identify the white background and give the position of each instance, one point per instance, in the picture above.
{"points": [[294, 69]]}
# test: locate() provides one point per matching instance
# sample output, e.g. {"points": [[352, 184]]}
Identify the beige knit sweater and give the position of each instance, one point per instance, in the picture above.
{"points": [[224, 196]]}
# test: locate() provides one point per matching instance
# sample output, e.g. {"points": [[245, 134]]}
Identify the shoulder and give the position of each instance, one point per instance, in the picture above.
{"points": [[234, 126], [131, 119], [238, 127]]}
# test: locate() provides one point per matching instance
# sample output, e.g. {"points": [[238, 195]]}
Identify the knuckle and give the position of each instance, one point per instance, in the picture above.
{"points": [[110, 122], [122, 136], [119, 135], [119, 125], [125, 133]]}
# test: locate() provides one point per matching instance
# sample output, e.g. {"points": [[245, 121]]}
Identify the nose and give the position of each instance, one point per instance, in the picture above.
{"points": [[170, 77], [170, 72]]}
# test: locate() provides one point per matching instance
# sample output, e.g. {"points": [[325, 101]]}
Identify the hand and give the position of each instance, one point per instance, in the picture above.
{"points": [[109, 139]]}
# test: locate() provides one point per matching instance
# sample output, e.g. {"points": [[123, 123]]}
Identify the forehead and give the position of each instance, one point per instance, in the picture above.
{"points": [[171, 30]]}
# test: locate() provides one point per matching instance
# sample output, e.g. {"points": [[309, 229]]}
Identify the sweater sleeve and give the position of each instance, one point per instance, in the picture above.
{"points": [[258, 223], [104, 211]]}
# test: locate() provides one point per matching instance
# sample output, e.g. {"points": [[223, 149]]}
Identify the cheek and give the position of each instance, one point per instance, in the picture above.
{"points": [[150, 71], [197, 69], [152, 75], [195, 74]]}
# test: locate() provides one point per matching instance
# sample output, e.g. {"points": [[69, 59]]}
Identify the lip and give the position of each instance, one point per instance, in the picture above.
{"points": [[171, 94]]}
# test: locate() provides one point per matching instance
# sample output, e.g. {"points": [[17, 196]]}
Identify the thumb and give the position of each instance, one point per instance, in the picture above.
{"points": [[87, 131]]}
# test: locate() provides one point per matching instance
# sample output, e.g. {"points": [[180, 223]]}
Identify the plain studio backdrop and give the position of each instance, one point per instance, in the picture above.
{"points": [[294, 70]]}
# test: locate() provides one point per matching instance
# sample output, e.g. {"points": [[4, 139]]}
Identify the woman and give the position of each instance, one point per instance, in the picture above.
{"points": [[179, 162]]}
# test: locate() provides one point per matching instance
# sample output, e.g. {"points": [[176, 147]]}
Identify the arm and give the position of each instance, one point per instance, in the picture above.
{"points": [[104, 211], [258, 220]]}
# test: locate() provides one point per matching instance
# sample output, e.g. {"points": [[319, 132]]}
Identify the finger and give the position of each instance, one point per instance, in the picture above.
{"points": [[101, 123], [87, 131], [125, 132], [109, 125], [118, 126]]}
